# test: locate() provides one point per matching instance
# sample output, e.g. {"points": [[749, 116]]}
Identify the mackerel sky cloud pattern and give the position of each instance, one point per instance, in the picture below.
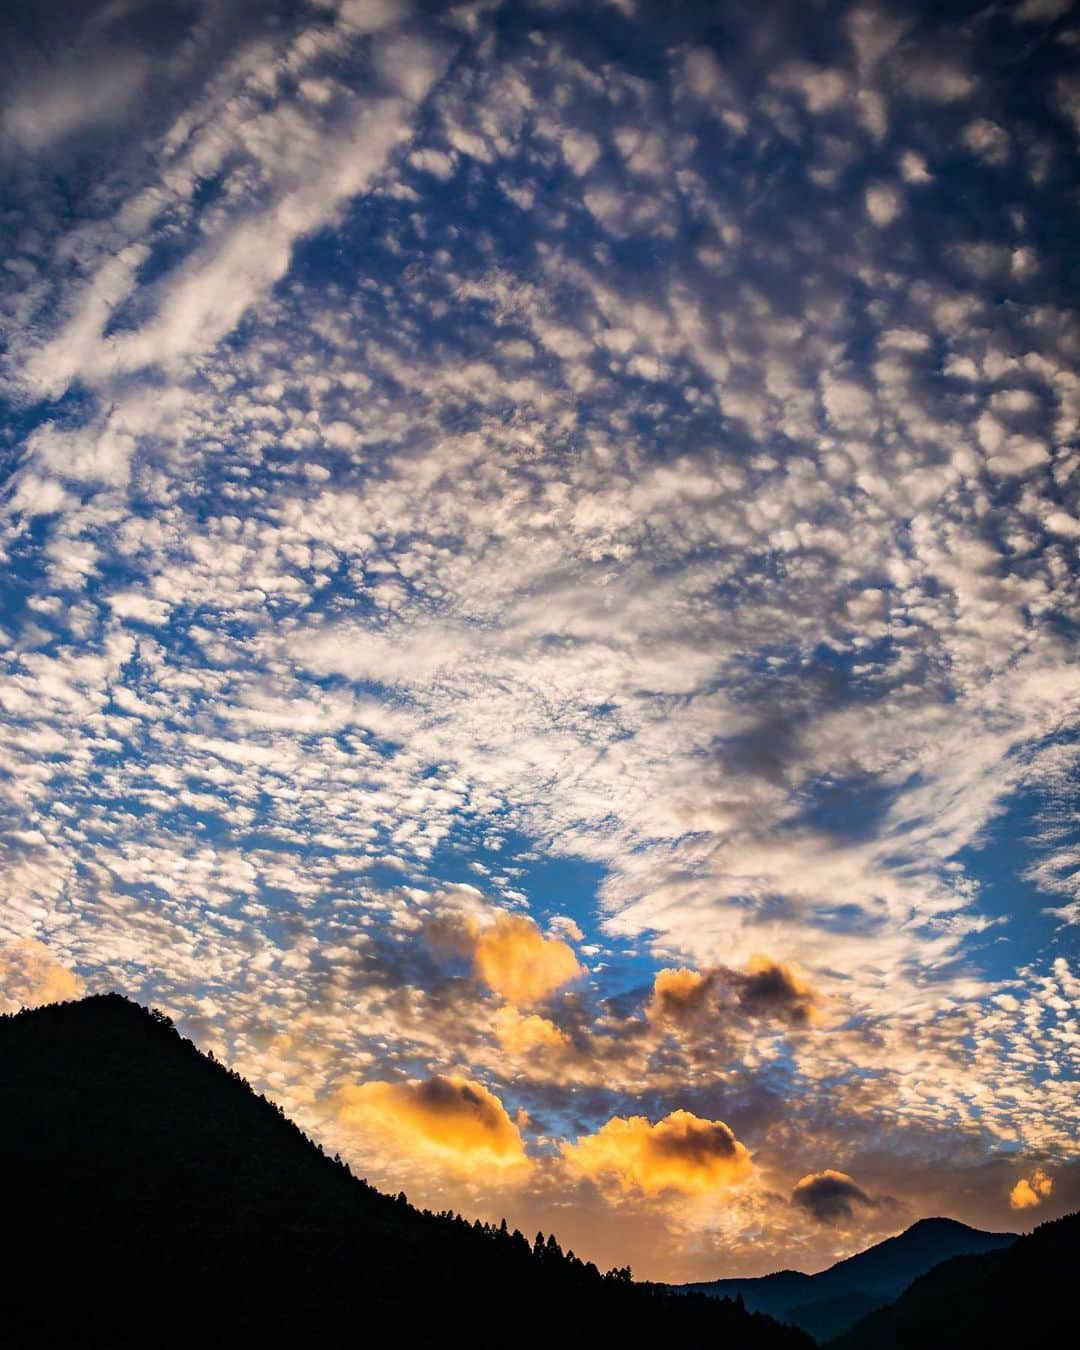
{"points": [[598, 483]]}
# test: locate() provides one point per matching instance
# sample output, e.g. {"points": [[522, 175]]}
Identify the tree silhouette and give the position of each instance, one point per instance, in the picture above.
{"points": [[160, 1202]]}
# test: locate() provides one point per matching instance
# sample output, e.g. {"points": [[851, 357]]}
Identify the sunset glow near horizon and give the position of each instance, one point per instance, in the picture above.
{"points": [[540, 601]]}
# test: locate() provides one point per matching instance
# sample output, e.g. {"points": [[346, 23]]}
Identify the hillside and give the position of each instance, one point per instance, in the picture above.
{"points": [[160, 1202], [828, 1303], [1021, 1296]]}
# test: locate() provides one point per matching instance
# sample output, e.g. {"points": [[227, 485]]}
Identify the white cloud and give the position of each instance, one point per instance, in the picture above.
{"points": [[884, 203], [370, 16], [580, 150], [48, 104], [1040, 11], [913, 168], [936, 80], [986, 139], [134, 605]]}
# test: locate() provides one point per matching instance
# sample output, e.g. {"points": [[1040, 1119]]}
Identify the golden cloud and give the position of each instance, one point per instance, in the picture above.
{"points": [[766, 988], [682, 1152], [516, 960], [1031, 1191], [451, 1120], [510, 954], [678, 995], [29, 977], [519, 1032]]}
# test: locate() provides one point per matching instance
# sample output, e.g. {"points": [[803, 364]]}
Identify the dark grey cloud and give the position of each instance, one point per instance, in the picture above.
{"points": [[830, 1197]]}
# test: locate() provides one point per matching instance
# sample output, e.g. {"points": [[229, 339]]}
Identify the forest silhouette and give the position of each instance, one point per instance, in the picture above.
{"points": [[159, 1201]]}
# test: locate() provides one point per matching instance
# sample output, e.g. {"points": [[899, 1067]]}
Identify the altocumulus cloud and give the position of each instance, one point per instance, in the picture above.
{"points": [[682, 1152], [546, 448], [455, 1121], [519, 1033]]}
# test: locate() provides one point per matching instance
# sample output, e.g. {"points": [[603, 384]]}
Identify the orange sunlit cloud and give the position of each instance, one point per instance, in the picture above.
{"points": [[1031, 1191], [678, 995], [766, 988], [30, 977], [682, 1153], [518, 1032], [516, 960], [451, 1120], [509, 954]]}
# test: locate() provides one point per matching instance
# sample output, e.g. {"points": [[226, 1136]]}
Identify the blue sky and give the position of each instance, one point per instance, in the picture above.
{"points": [[540, 592]]}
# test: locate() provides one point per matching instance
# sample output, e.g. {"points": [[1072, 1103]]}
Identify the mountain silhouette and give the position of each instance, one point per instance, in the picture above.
{"points": [[828, 1303], [158, 1201], [1020, 1296]]}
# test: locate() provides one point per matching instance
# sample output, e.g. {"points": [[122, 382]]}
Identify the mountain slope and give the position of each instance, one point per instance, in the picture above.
{"points": [[829, 1302], [158, 1201], [1021, 1296]]}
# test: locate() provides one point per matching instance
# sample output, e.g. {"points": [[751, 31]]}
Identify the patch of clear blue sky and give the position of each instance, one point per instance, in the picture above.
{"points": [[998, 861]]}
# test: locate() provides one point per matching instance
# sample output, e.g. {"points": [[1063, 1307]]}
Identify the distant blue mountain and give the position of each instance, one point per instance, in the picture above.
{"points": [[828, 1303], [1021, 1297]]}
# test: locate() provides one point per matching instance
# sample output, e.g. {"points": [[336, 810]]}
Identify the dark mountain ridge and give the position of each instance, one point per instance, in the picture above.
{"points": [[828, 1303], [1021, 1297], [158, 1201]]}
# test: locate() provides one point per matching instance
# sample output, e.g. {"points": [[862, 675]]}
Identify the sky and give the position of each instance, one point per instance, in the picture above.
{"points": [[539, 596]]}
